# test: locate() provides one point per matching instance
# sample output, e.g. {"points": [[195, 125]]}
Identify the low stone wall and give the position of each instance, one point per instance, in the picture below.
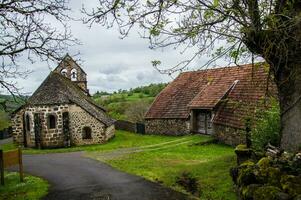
{"points": [[229, 135], [125, 126], [167, 126]]}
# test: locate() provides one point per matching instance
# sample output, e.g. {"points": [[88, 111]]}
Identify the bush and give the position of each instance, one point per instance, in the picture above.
{"points": [[267, 128]]}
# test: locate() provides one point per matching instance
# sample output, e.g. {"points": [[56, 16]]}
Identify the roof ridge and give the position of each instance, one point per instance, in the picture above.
{"points": [[221, 68]]}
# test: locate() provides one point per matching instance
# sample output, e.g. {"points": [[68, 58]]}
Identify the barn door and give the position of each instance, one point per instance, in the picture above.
{"points": [[203, 122], [37, 130]]}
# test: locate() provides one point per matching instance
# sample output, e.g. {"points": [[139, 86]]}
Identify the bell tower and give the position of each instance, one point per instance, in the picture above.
{"points": [[70, 69]]}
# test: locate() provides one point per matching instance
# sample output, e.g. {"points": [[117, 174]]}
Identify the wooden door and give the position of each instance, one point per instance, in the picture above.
{"points": [[37, 130], [66, 129], [203, 122]]}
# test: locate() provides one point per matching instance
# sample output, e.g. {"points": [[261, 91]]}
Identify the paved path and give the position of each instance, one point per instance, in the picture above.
{"points": [[75, 177], [6, 141]]}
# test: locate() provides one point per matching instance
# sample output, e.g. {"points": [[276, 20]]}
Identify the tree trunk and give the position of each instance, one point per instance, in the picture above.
{"points": [[288, 80]]}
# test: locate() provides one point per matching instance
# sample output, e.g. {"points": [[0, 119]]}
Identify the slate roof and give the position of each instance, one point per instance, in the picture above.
{"points": [[233, 92], [57, 89]]}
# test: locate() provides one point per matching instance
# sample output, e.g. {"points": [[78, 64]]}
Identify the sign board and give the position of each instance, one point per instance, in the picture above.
{"points": [[11, 158]]}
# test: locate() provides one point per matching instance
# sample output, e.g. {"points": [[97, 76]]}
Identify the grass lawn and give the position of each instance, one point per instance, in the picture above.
{"points": [[33, 188], [122, 139]]}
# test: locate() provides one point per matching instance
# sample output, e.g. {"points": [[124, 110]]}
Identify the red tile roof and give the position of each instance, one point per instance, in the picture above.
{"points": [[233, 92]]}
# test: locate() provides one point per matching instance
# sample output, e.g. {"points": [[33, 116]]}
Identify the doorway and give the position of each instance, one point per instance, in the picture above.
{"points": [[37, 130], [202, 122]]}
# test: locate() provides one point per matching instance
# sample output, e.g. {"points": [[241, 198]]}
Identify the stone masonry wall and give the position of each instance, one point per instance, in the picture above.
{"points": [[167, 126], [17, 126], [78, 119], [229, 135], [49, 137]]}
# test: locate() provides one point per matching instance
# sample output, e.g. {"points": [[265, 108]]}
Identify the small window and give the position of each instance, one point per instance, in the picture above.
{"points": [[64, 72], [51, 122], [87, 133], [73, 75], [27, 123]]}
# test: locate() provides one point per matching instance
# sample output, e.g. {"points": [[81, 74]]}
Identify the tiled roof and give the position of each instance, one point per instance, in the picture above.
{"points": [[233, 92], [57, 89]]}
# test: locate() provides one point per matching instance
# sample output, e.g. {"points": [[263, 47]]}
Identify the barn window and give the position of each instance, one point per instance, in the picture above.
{"points": [[64, 72], [27, 122], [73, 75], [51, 121], [87, 133]]}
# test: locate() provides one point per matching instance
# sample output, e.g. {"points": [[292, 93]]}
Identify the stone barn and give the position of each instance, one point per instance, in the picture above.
{"points": [[213, 101], [61, 112]]}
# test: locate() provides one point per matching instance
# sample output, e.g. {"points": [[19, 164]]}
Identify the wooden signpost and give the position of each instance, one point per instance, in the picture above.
{"points": [[8, 159]]}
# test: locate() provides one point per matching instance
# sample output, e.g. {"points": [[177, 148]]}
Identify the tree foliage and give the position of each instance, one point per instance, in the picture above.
{"points": [[244, 26], [267, 127], [32, 29]]}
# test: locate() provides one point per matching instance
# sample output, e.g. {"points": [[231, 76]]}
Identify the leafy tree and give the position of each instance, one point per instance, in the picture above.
{"points": [[267, 127], [266, 28], [136, 111], [24, 31]]}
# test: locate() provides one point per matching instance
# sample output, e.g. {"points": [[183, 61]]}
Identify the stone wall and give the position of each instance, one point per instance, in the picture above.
{"points": [[167, 126], [49, 137], [229, 135], [17, 126], [78, 119]]}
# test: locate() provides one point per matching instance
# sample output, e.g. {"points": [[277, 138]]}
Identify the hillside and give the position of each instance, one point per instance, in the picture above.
{"points": [[130, 104]]}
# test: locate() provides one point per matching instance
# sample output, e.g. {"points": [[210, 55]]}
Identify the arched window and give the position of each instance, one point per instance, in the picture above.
{"points": [[64, 72], [27, 123], [73, 75], [87, 133], [51, 121]]}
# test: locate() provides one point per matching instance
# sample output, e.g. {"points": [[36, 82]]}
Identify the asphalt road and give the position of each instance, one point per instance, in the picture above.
{"points": [[75, 177]]}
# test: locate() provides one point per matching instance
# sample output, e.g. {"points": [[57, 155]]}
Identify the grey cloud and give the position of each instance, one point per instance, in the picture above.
{"points": [[110, 63]]}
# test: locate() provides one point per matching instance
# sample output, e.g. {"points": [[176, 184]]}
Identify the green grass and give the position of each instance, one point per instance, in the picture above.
{"points": [[33, 188], [122, 139], [7, 147]]}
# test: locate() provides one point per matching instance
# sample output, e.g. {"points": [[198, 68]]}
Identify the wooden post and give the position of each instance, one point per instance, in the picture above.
{"points": [[1, 167], [20, 165]]}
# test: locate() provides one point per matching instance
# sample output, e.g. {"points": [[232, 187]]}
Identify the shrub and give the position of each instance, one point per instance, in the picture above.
{"points": [[267, 127]]}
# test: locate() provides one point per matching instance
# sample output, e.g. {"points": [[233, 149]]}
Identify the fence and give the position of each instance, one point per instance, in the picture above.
{"points": [[130, 126], [5, 133]]}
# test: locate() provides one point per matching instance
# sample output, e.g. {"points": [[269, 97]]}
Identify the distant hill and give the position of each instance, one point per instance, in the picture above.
{"points": [[130, 104], [9, 104]]}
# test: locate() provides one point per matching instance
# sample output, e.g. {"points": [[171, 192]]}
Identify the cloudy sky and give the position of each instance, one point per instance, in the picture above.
{"points": [[111, 63]]}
